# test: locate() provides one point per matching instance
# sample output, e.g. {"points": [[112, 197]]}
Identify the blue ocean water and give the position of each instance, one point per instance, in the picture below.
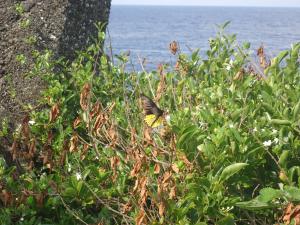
{"points": [[147, 30]]}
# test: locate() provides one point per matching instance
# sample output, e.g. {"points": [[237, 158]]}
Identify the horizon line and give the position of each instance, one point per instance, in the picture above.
{"points": [[242, 6]]}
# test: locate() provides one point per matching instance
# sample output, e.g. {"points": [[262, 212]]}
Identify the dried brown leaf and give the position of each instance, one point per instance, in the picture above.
{"points": [[97, 108], [85, 96], [76, 122], [47, 156], [166, 177], [156, 168], [14, 150], [54, 113], [291, 213], [136, 185], [159, 190], [25, 129], [114, 162], [50, 137], [161, 88], [111, 107], [143, 186], [175, 168], [40, 199], [262, 57], [185, 160], [113, 135], [74, 143], [140, 219], [137, 167], [101, 119], [161, 209], [6, 197], [239, 75], [160, 69], [172, 193], [177, 65], [174, 47], [133, 137], [126, 207], [32, 148], [147, 137], [84, 151]]}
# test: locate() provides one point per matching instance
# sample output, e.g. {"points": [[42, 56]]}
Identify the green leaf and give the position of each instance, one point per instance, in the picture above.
{"points": [[231, 170], [280, 57], [269, 194], [228, 220], [30, 201], [224, 25], [283, 158], [292, 193], [296, 110], [246, 45], [255, 204], [280, 122], [79, 186], [236, 135], [70, 192]]}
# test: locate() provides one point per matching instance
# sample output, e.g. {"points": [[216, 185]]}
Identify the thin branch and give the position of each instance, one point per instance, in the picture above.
{"points": [[70, 211], [106, 205]]}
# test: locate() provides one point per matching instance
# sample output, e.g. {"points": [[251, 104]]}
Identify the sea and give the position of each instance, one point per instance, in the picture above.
{"points": [[144, 32]]}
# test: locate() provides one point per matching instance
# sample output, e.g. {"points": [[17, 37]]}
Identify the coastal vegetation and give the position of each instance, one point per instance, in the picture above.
{"points": [[228, 154]]}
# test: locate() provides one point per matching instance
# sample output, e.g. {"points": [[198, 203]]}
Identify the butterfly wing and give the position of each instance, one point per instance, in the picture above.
{"points": [[153, 121], [150, 107], [153, 114]]}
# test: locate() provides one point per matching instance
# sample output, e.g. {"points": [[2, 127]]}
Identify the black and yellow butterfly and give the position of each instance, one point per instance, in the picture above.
{"points": [[153, 114]]}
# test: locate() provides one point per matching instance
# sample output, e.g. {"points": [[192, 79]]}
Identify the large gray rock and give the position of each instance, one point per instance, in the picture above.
{"points": [[62, 26]]}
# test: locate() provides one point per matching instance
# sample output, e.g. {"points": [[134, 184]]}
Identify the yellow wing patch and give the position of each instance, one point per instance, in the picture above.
{"points": [[150, 118]]}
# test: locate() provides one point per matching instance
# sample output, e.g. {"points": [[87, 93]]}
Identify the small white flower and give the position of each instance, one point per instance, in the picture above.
{"points": [[228, 67], [31, 122], [276, 140], [22, 218], [274, 131], [231, 126], [254, 129], [267, 143], [78, 176]]}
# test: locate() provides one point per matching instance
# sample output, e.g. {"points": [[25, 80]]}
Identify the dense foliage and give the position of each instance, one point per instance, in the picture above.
{"points": [[229, 154]]}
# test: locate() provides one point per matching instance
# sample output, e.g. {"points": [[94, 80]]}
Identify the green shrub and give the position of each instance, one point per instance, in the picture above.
{"points": [[230, 154]]}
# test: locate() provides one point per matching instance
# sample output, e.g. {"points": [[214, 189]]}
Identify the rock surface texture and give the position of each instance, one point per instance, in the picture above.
{"points": [[62, 26]]}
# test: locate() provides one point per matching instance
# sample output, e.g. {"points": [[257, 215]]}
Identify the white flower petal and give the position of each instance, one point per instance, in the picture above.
{"points": [[267, 143]]}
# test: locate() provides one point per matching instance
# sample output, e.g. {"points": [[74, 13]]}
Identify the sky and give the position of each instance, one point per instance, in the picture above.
{"points": [[273, 3]]}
